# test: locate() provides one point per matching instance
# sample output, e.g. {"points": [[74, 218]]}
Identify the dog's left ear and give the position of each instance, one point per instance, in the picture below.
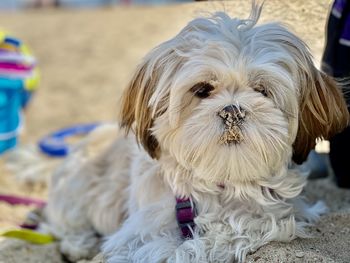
{"points": [[323, 111]]}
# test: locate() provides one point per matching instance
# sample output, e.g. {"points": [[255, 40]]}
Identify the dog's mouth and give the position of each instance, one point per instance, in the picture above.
{"points": [[232, 135]]}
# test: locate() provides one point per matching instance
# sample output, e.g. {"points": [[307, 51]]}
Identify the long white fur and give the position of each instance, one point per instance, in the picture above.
{"points": [[129, 198]]}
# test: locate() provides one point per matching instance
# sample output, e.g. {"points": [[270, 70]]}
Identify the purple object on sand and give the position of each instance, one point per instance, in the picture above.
{"points": [[16, 200]]}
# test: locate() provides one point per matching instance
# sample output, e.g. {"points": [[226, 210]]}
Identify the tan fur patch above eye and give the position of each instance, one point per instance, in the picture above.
{"points": [[261, 88]]}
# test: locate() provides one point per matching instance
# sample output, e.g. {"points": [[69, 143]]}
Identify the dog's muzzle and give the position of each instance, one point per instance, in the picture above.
{"points": [[233, 117]]}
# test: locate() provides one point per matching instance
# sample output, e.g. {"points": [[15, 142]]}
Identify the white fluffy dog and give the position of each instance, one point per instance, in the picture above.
{"points": [[217, 115]]}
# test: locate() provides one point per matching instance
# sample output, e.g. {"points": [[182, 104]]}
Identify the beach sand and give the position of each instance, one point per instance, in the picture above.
{"points": [[87, 57]]}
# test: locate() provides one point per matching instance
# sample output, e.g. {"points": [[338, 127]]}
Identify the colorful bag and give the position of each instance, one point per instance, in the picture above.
{"points": [[18, 79]]}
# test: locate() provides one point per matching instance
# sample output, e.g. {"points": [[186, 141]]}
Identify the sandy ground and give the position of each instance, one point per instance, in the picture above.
{"points": [[86, 58]]}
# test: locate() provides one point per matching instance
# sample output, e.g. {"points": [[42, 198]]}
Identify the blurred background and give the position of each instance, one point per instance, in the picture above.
{"points": [[14, 4]]}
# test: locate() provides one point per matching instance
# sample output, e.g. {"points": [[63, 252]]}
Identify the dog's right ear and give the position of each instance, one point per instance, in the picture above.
{"points": [[151, 81], [136, 113]]}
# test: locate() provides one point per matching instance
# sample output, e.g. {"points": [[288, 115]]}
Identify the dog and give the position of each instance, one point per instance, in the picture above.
{"points": [[200, 169]]}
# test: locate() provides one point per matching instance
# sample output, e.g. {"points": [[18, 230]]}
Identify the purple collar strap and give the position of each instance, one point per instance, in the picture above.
{"points": [[185, 214]]}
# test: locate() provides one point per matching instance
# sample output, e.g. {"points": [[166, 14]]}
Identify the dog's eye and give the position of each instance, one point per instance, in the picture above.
{"points": [[202, 90], [261, 89]]}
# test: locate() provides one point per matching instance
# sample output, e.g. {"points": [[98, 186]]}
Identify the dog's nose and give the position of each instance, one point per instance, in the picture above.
{"points": [[232, 114]]}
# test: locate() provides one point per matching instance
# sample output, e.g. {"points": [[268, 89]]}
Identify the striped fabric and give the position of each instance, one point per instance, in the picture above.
{"points": [[16, 62]]}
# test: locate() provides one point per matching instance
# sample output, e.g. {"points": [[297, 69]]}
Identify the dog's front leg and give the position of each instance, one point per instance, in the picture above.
{"points": [[149, 235]]}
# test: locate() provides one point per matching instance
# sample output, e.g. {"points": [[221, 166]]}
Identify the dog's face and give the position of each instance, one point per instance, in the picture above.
{"points": [[230, 101]]}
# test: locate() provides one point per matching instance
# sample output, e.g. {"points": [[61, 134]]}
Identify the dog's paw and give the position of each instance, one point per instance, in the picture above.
{"points": [[76, 247]]}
